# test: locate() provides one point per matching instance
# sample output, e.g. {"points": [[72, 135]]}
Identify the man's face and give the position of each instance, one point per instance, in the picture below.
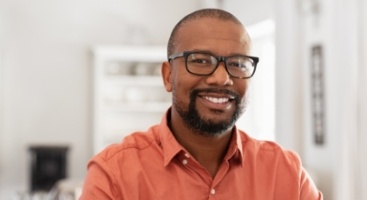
{"points": [[209, 105]]}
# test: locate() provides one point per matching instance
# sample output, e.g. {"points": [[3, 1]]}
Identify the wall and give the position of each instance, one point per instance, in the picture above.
{"points": [[297, 32], [363, 115], [250, 12], [47, 70], [338, 165], [288, 78], [318, 29]]}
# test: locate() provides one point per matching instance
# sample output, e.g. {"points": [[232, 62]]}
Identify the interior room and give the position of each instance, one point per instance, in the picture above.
{"points": [[72, 71]]}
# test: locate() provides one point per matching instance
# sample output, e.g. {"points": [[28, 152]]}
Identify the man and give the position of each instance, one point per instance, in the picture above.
{"points": [[197, 152]]}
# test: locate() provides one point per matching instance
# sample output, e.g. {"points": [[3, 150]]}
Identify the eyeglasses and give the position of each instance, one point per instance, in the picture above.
{"points": [[204, 64]]}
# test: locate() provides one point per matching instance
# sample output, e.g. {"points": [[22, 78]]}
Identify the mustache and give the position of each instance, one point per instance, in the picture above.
{"points": [[195, 92]]}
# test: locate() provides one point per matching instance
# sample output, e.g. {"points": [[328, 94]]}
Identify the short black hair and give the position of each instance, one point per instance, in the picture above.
{"points": [[199, 14]]}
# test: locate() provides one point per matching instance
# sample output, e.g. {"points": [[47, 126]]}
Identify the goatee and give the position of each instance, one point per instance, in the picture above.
{"points": [[208, 127]]}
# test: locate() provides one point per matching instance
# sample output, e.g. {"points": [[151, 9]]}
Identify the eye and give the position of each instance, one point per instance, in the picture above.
{"points": [[236, 64], [198, 58], [200, 61], [241, 63]]}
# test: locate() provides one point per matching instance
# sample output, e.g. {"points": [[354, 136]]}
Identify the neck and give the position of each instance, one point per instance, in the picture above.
{"points": [[209, 151]]}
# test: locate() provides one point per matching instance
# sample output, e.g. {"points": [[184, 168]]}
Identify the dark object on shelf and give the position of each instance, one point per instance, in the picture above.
{"points": [[48, 165]]}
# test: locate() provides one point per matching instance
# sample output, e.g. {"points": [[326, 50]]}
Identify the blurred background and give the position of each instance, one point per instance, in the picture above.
{"points": [[78, 75]]}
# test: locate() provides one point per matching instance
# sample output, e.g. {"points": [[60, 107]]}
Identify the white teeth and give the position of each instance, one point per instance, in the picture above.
{"points": [[217, 100]]}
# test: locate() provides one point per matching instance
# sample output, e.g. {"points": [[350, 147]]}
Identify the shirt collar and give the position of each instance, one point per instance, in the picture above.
{"points": [[169, 143], [235, 150], [171, 147]]}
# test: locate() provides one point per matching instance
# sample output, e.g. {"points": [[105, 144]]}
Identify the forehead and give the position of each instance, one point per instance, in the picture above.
{"points": [[215, 35]]}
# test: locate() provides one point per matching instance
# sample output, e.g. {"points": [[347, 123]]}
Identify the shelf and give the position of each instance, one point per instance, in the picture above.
{"points": [[137, 107], [133, 80], [128, 91], [133, 53]]}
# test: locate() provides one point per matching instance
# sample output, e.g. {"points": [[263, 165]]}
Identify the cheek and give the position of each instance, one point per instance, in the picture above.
{"points": [[182, 87], [180, 90], [243, 90], [244, 94], [181, 80]]}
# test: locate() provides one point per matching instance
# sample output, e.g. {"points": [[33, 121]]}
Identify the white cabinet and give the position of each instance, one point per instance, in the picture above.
{"points": [[128, 92]]}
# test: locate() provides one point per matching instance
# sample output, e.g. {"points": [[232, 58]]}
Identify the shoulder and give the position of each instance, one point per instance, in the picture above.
{"points": [[270, 151], [131, 144]]}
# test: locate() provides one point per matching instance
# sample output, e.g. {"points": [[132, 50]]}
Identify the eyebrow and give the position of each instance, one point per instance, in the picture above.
{"points": [[210, 52]]}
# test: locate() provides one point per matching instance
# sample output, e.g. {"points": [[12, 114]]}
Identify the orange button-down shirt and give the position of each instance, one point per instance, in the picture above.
{"points": [[152, 165]]}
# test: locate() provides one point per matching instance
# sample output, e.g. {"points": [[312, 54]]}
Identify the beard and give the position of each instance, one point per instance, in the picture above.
{"points": [[207, 127]]}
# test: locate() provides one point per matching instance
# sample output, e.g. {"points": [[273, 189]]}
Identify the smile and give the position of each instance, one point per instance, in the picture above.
{"points": [[217, 100]]}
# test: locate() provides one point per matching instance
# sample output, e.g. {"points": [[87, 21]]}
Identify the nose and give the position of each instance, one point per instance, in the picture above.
{"points": [[220, 76]]}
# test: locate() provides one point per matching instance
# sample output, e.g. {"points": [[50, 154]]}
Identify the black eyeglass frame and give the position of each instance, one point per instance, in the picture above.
{"points": [[223, 59]]}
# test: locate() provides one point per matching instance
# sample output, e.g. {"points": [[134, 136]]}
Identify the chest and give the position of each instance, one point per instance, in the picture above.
{"points": [[185, 179]]}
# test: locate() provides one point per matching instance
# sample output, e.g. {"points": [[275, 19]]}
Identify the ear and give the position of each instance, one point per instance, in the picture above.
{"points": [[166, 72]]}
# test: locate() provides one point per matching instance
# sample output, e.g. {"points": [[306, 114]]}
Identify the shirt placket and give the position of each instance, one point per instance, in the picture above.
{"points": [[212, 184]]}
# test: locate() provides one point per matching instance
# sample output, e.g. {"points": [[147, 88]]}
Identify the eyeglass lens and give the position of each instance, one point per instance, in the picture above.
{"points": [[205, 64]]}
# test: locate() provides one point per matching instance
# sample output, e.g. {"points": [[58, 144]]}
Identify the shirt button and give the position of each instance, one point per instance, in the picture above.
{"points": [[187, 155], [184, 161], [212, 191]]}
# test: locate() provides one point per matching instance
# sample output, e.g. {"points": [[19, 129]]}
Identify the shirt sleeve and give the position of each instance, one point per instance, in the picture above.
{"points": [[308, 188], [99, 182]]}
